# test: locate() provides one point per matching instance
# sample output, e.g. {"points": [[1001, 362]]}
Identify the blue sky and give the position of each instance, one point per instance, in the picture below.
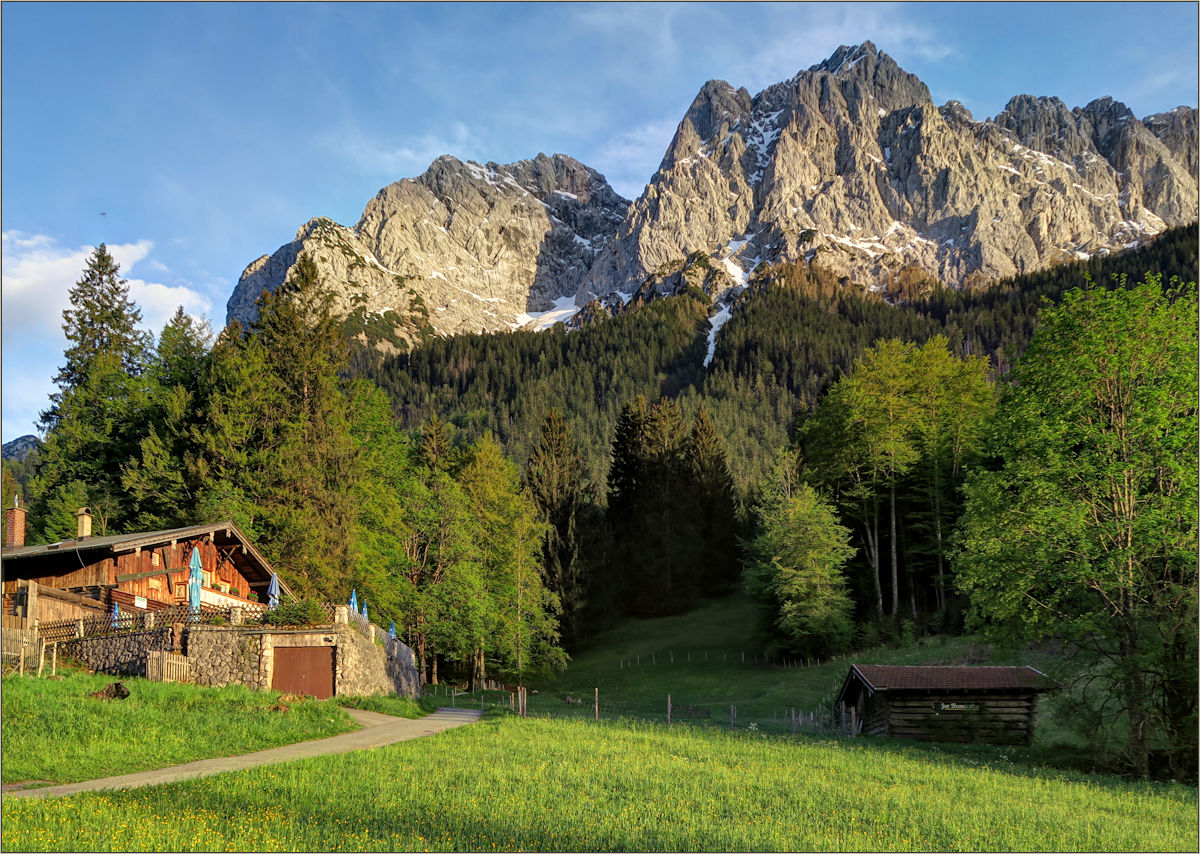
{"points": [[194, 137]]}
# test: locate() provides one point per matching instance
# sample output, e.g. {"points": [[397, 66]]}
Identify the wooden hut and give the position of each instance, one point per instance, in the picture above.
{"points": [[997, 705]]}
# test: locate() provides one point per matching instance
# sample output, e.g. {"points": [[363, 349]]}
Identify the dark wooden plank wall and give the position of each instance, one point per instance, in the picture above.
{"points": [[1000, 719], [175, 557]]}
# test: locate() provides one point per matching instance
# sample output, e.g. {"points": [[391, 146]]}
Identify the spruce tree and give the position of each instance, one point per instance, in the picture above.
{"points": [[306, 477], [92, 423], [560, 484], [714, 510]]}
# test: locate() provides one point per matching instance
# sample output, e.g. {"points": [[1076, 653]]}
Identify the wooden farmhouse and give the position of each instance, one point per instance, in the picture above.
{"points": [[997, 705], [138, 572]]}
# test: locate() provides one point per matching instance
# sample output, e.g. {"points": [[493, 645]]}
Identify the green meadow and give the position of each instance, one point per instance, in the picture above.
{"points": [[54, 732], [560, 781], [543, 784]]}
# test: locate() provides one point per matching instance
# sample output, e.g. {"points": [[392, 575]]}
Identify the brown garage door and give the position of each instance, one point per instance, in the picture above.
{"points": [[304, 670]]}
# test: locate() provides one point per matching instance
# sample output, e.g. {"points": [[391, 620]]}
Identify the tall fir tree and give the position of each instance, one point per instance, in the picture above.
{"points": [[92, 423], [714, 507], [160, 479], [306, 481], [560, 483]]}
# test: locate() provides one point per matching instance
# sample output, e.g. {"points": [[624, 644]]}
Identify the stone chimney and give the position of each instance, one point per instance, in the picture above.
{"points": [[85, 522], [14, 525]]}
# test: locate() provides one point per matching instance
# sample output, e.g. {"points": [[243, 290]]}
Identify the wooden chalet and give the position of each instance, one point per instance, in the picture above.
{"points": [[139, 572], [997, 705]]}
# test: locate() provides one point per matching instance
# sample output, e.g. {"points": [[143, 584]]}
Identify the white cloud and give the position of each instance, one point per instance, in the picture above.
{"points": [[630, 158], [412, 155], [801, 36], [37, 277]]}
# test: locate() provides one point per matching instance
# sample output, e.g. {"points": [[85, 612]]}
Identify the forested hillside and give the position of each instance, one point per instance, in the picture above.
{"points": [[795, 330]]}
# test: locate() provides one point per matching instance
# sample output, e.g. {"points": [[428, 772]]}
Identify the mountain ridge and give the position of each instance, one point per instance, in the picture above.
{"points": [[848, 165]]}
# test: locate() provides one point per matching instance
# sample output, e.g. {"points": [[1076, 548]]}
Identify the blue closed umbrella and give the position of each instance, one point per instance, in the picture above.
{"points": [[273, 593], [195, 577], [364, 613], [353, 601], [392, 631], [116, 614]]}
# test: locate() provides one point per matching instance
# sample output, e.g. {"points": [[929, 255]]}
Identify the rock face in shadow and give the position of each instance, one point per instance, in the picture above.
{"points": [[463, 248], [851, 165]]}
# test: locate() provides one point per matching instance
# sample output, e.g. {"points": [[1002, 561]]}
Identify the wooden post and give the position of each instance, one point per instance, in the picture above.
{"points": [[481, 699], [668, 710], [793, 720], [41, 656], [79, 628], [54, 660], [853, 722], [597, 706]]}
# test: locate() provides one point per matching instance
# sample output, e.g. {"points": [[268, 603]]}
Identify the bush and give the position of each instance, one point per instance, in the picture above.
{"points": [[304, 612]]}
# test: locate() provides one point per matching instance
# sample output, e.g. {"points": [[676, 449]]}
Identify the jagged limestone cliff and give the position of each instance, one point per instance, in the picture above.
{"points": [[463, 248], [849, 165], [852, 165]]}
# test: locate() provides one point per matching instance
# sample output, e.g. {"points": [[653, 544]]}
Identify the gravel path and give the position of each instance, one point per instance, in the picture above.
{"points": [[378, 730]]}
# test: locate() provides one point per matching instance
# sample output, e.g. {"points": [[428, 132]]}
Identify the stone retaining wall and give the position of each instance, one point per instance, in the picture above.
{"points": [[117, 654], [226, 656], [366, 661]]}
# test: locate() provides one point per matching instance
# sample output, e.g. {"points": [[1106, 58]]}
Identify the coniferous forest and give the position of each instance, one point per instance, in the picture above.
{"points": [[849, 458]]}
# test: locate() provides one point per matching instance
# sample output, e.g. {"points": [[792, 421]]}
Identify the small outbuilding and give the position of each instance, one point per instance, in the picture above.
{"points": [[996, 705]]}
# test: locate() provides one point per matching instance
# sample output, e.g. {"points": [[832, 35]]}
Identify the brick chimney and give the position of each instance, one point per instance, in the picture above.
{"points": [[14, 526], [85, 522]]}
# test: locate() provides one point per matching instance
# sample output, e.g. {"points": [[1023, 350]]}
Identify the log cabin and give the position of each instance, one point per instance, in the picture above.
{"points": [[139, 572], [996, 705]]}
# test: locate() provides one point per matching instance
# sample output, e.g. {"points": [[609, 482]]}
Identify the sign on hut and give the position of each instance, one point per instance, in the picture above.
{"points": [[997, 705]]}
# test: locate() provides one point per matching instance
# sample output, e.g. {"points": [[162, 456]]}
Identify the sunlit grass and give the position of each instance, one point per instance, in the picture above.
{"points": [[543, 785], [53, 731]]}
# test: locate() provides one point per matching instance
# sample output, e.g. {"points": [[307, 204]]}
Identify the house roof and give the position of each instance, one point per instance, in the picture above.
{"points": [[903, 678], [119, 543]]}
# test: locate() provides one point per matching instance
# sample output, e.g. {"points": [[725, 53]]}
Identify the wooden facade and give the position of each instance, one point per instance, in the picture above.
{"points": [[996, 705], [140, 572]]}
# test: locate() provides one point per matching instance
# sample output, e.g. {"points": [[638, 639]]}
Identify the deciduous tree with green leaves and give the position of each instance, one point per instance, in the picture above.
{"points": [[794, 567], [1083, 525]]}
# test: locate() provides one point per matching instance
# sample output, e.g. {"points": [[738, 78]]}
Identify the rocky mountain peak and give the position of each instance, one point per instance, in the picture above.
{"points": [[850, 166], [464, 247], [847, 165]]}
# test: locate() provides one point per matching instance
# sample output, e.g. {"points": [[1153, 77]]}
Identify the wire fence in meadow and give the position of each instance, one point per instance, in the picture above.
{"points": [[723, 657], [826, 719]]}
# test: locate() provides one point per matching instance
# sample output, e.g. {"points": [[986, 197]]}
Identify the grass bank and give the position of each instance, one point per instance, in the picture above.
{"points": [[572, 785], [53, 731]]}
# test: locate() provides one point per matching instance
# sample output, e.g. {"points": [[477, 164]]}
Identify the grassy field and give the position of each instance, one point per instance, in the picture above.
{"points": [[558, 781], [545, 784], [53, 731], [707, 658]]}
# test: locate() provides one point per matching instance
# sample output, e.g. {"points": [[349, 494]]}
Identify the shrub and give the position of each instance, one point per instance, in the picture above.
{"points": [[303, 612]]}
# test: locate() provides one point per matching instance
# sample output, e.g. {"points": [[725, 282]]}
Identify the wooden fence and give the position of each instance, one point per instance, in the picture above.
{"points": [[163, 666]]}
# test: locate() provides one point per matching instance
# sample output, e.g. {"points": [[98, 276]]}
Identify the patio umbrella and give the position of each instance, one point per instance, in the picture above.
{"points": [[195, 577], [392, 631], [273, 593], [364, 613], [116, 614], [353, 601]]}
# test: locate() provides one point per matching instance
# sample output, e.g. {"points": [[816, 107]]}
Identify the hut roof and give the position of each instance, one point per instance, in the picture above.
{"points": [[904, 678], [883, 677]]}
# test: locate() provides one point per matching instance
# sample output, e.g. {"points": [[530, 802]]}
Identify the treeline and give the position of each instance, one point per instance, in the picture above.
{"points": [[266, 430], [795, 331]]}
